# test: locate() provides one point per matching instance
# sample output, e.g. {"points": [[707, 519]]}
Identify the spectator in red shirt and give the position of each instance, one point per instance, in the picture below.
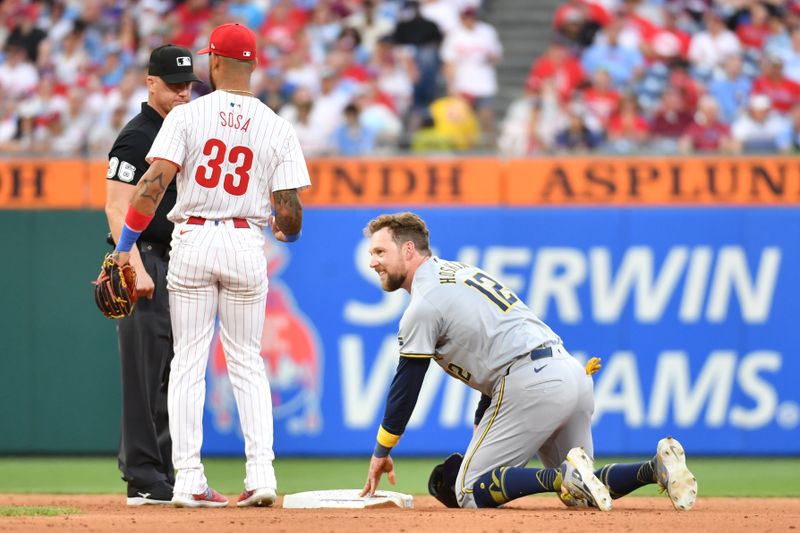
{"points": [[636, 28], [667, 41], [282, 25], [753, 32], [671, 120], [345, 56], [680, 78], [706, 133], [187, 22], [579, 21], [591, 11], [600, 98], [559, 65], [627, 130], [782, 92]]}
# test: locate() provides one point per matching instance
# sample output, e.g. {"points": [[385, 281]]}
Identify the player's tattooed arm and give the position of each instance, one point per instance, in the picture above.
{"points": [[150, 189], [288, 211]]}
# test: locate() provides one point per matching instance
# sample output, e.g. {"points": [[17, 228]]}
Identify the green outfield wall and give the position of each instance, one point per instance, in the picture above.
{"points": [[59, 383]]}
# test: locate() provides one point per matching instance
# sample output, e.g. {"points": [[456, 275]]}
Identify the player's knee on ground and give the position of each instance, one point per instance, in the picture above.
{"points": [[486, 491], [463, 489]]}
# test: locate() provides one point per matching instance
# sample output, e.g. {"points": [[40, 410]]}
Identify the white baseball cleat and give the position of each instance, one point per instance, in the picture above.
{"points": [[673, 475], [579, 482], [263, 497], [209, 498]]}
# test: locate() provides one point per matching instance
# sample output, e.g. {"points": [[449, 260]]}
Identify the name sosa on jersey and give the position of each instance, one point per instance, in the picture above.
{"points": [[235, 121]]}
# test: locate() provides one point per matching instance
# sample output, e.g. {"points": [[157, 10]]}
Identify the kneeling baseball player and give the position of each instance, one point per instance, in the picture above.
{"points": [[536, 398]]}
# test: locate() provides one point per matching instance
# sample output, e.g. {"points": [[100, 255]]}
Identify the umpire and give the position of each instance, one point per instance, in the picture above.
{"points": [[145, 338]]}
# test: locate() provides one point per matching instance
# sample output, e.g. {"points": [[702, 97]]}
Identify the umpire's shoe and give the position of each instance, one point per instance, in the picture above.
{"points": [[156, 494], [579, 482], [673, 475]]}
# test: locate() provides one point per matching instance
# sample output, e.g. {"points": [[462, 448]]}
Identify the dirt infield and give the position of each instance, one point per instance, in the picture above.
{"points": [[109, 513]]}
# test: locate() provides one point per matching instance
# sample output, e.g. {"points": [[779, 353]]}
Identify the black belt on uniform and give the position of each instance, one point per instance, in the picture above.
{"points": [[161, 250], [540, 353], [535, 355]]}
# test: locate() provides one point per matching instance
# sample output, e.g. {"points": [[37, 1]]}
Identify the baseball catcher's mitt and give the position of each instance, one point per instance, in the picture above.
{"points": [[115, 289]]}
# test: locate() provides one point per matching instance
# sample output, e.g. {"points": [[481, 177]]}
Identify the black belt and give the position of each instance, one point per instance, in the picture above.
{"points": [[540, 353], [161, 250]]}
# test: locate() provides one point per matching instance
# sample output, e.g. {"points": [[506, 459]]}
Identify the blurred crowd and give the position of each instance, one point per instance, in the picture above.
{"points": [[359, 77], [662, 76], [353, 76]]}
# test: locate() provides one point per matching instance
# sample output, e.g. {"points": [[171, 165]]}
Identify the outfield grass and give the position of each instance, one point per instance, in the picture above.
{"points": [[35, 510], [716, 476]]}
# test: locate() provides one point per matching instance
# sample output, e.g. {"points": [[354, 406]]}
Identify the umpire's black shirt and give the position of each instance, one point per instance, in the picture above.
{"points": [[126, 163]]}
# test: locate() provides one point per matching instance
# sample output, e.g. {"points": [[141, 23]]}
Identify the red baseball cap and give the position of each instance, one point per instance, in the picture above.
{"points": [[232, 40]]}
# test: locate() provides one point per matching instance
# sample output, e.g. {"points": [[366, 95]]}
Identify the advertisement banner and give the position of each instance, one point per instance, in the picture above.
{"points": [[48, 184], [464, 181], [693, 311], [604, 181]]}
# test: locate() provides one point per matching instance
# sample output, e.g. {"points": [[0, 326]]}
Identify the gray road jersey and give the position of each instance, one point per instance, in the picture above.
{"points": [[468, 322]]}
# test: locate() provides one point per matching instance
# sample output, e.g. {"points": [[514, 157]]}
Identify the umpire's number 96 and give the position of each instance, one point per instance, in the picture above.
{"points": [[122, 169]]}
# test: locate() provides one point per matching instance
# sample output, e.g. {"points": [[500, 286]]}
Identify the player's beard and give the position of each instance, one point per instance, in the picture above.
{"points": [[392, 282], [211, 79]]}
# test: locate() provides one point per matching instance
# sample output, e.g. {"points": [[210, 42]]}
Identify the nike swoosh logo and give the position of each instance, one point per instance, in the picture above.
{"points": [[144, 494], [538, 369], [185, 231]]}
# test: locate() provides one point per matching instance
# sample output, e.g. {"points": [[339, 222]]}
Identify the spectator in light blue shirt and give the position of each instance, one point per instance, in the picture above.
{"points": [[249, 13], [623, 64], [789, 139], [731, 89], [790, 56], [353, 138]]}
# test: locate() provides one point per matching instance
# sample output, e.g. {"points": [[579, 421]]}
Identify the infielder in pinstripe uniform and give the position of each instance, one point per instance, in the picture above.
{"points": [[231, 155], [536, 398]]}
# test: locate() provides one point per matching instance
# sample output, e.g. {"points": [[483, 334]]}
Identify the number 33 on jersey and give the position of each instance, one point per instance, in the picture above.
{"points": [[232, 151]]}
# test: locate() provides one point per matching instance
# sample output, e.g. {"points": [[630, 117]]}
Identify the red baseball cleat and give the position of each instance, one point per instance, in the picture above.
{"points": [[263, 497], [209, 498]]}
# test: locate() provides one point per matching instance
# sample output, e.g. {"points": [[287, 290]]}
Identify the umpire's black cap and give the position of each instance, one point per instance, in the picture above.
{"points": [[171, 63]]}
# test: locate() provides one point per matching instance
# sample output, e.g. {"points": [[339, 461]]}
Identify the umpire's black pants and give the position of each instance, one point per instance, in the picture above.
{"points": [[145, 346]]}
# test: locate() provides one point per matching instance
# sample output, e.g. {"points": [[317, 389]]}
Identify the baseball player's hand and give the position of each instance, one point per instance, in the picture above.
{"points": [[122, 258], [377, 467], [144, 283], [276, 231]]}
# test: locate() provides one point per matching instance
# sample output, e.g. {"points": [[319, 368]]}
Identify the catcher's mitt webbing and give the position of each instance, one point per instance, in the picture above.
{"points": [[115, 289]]}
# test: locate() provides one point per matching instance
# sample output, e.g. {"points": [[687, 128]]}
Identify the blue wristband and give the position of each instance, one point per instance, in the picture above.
{"points": [[127, 238], [294, 237], [381, 450]]}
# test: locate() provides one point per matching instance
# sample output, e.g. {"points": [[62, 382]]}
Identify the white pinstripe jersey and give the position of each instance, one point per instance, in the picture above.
{"points": [[468, 322], [232, 151]]}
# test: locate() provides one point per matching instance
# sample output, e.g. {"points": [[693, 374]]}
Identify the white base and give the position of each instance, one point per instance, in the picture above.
{"points": [[346, 499]]}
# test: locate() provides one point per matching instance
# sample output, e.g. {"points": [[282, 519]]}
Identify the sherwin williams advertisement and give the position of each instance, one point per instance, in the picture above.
{"points": [[693, 310]]}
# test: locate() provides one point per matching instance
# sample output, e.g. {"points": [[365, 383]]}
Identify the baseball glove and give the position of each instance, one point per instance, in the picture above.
{"points": [[115, 289], [442, 481]]}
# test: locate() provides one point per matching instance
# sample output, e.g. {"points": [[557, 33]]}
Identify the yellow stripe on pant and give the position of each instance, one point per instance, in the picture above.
{"points": [[465, 490]]}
